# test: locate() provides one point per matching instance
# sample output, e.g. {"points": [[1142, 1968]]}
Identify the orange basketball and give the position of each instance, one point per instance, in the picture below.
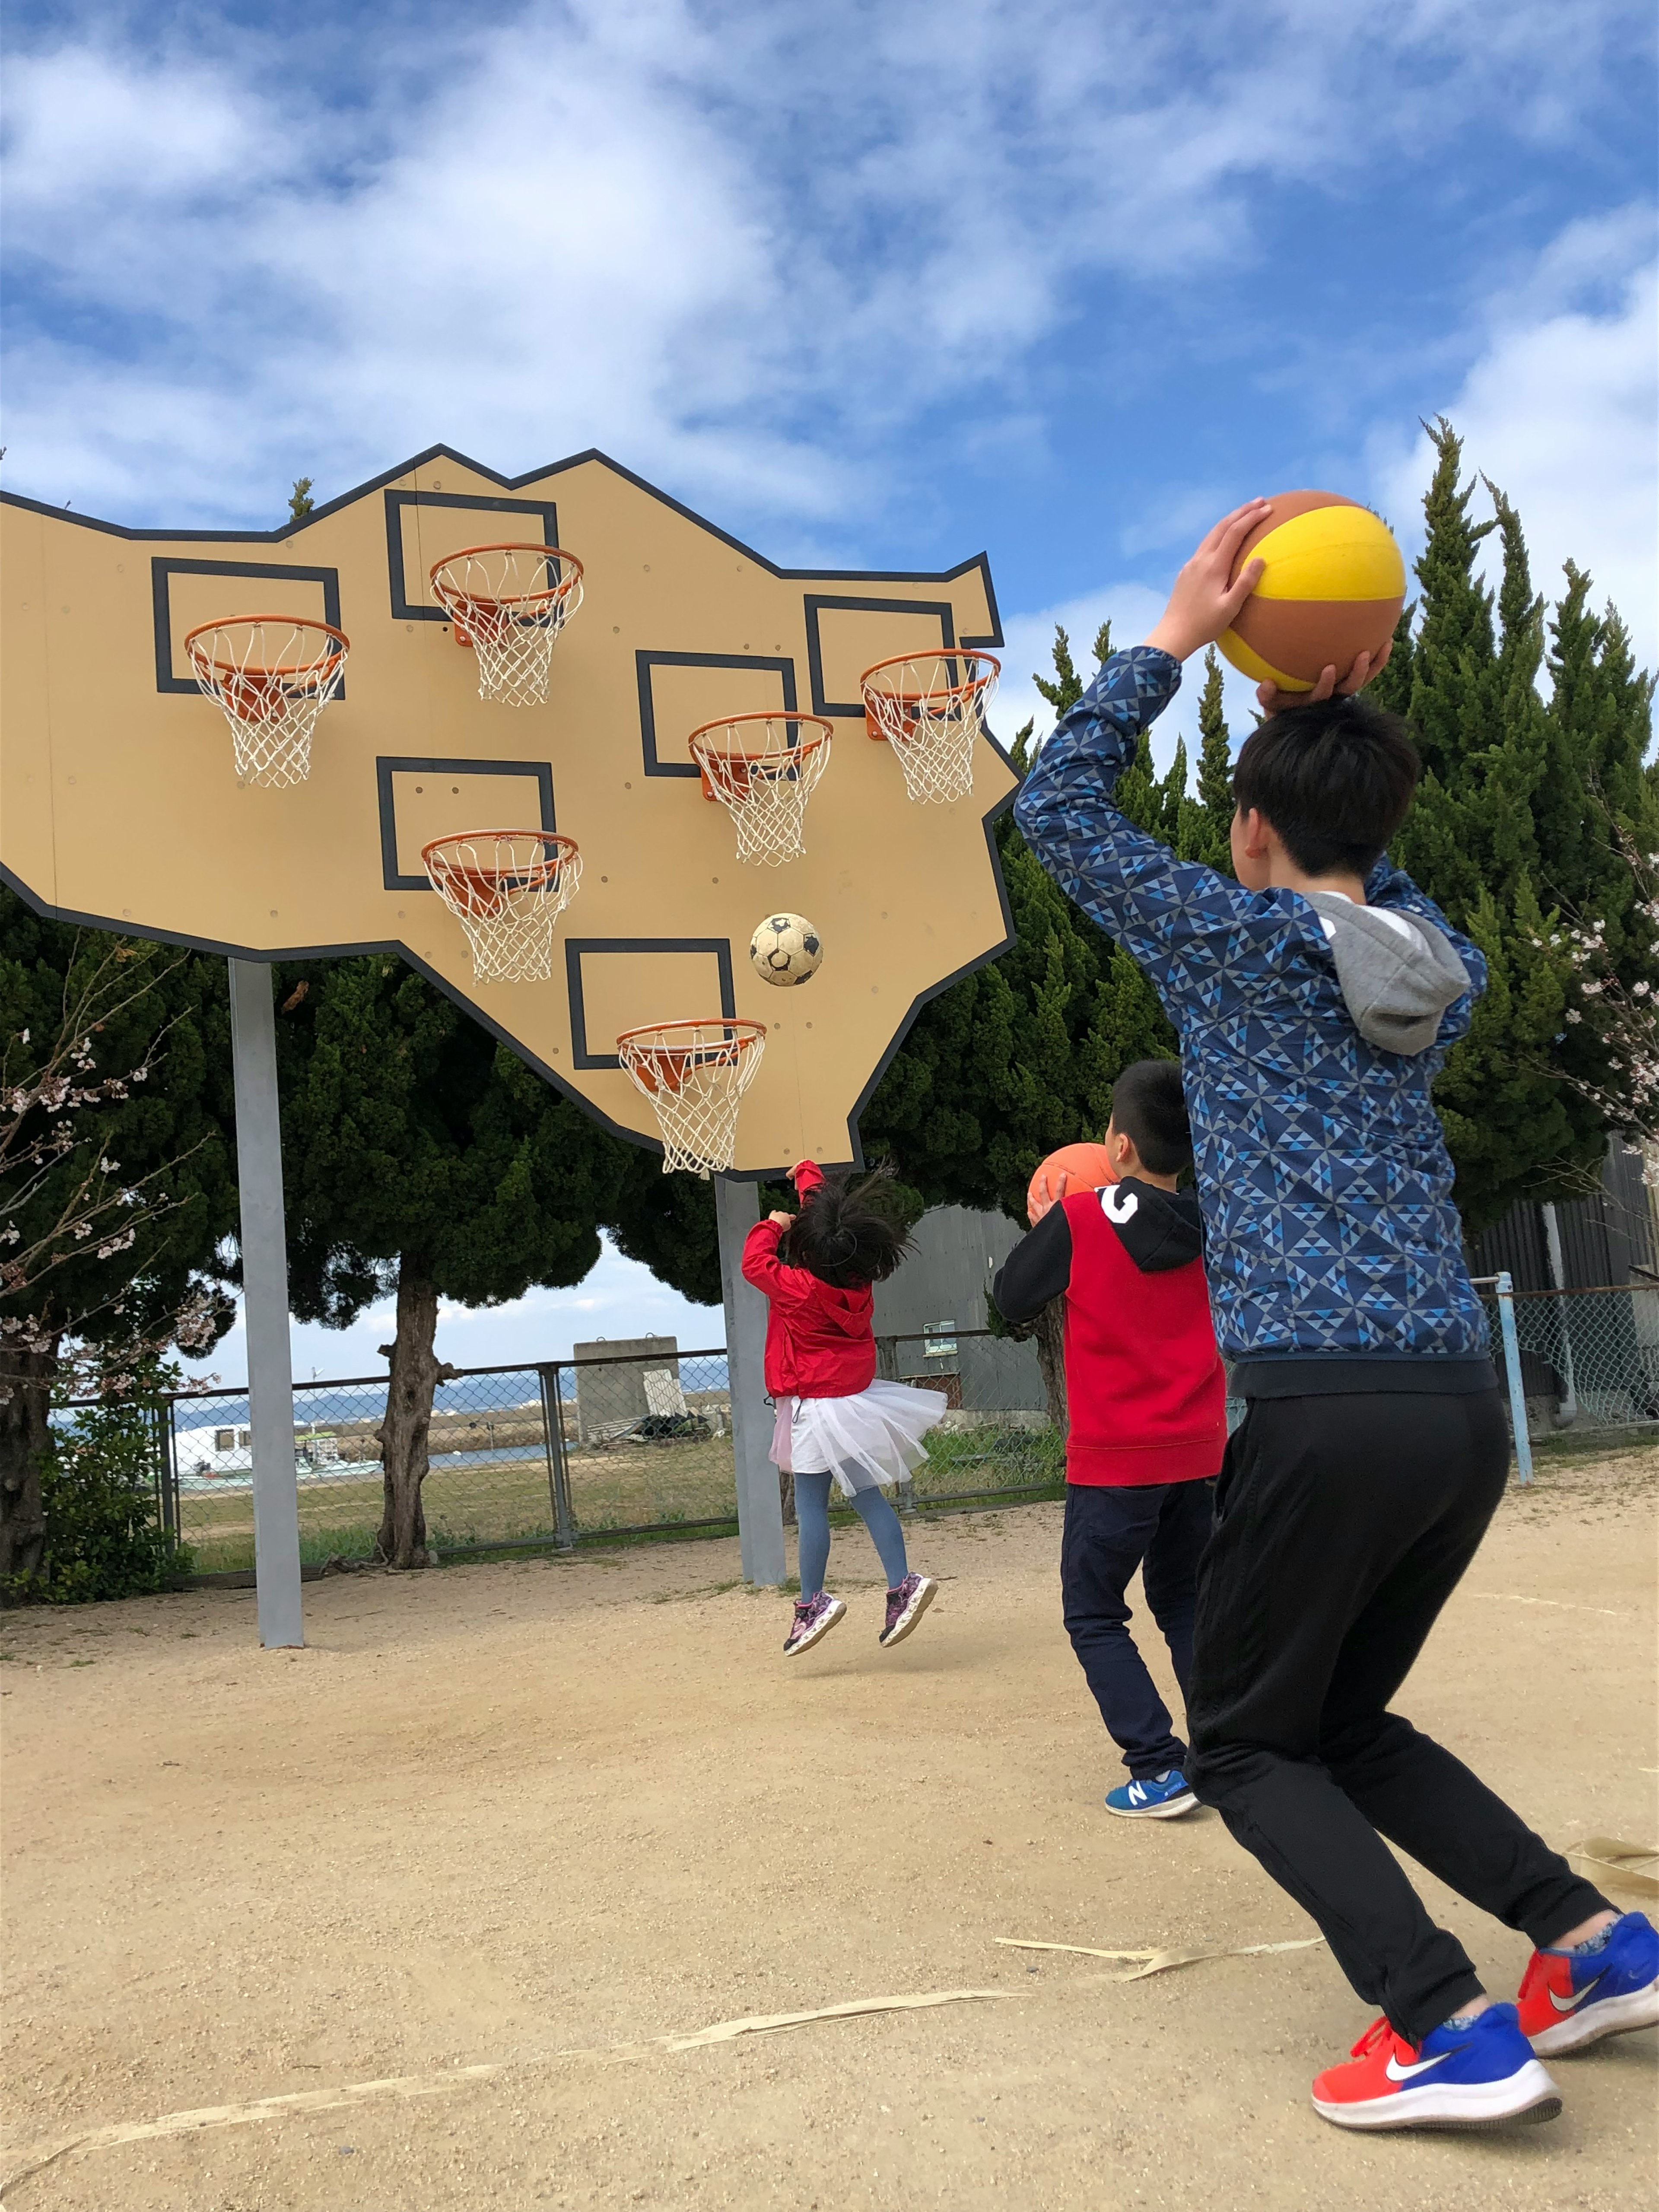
{"points": [[1085, 1167], [1332, 588]]}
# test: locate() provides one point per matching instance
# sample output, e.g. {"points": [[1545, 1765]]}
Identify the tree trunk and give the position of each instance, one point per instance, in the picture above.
{"points": [[787, 1498], [417, 1372], [25, 1379], [1049, 1331]]}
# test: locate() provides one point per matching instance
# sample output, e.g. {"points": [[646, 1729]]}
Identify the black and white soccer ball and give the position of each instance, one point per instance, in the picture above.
{"points": [[786, 948]]}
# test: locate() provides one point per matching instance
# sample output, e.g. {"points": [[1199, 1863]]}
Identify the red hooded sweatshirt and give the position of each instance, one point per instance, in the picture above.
{"points": [[1144, 1380], [820, 1342]]}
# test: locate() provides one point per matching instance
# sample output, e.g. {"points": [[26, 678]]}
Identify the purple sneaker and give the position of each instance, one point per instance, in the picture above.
{"points": [[813, 1619], [905, 1607]]}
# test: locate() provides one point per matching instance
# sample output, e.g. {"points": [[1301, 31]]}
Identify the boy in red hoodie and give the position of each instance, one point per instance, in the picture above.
{"points": [[836, 1423], [1147, 1397]]}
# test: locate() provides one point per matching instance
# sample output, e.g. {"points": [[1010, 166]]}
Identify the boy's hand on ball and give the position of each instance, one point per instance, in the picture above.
{"points": [[1207, 597], [1041, 1198], [1273, 700]]}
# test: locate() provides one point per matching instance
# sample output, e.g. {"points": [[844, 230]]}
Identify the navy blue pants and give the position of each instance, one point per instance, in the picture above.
{"points": [[1160, 1527]]}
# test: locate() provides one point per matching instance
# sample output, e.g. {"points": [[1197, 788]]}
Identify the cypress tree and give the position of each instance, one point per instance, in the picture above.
{"points": [[1515, 831], [420, 1157]]}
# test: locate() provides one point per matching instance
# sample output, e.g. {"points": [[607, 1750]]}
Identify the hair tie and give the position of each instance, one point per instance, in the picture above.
{"points": [[847, 1239]]}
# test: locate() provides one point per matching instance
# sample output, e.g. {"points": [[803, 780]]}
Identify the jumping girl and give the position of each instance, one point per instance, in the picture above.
{"points": [[835, 1422]]}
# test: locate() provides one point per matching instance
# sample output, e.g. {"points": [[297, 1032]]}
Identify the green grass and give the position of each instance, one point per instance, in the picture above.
{"points": [[614, 1494]]}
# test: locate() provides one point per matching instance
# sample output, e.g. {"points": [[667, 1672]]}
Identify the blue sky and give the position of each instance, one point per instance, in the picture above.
{"points": [[870, 284]]}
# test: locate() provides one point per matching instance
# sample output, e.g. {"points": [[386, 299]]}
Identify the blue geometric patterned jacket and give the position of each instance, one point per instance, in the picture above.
{"points": [[1335, 1252]]}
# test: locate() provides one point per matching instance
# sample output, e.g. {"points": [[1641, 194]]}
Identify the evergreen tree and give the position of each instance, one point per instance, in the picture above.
{"points": [[1517, 829], [419, 1156]]}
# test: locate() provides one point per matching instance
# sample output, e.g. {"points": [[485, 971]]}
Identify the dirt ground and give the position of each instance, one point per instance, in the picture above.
{"points": [[529, 1817]]}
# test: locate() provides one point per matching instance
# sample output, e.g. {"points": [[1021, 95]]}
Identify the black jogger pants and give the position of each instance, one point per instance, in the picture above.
{"points": [[1343, 1524]]}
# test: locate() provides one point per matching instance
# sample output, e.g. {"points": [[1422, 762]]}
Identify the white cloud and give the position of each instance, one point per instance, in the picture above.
{"points": [[1559, 411], [619, 1298], [744, 249]]}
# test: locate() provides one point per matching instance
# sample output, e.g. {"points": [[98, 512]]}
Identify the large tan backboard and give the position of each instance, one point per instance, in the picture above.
{"points": [[119, 803]]}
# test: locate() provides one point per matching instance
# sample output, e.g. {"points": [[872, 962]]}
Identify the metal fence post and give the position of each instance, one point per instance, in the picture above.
{"points": [[558, 1474], [1504, 1287]]}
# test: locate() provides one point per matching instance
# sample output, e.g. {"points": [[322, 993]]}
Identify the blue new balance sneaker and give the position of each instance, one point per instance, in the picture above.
{"points": [[1481, 2075], [1570, 1999], [1160, 1797]]}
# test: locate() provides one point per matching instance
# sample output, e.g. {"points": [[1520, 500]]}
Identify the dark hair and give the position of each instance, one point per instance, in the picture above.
{"points": [[841, 1239], [1334, 778], [1150, 1109]]}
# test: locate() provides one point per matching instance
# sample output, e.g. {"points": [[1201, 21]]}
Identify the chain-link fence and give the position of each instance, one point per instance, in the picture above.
{"points": [[517, 1456], [1588, 1359], [996, 1440], [641, 1443]]}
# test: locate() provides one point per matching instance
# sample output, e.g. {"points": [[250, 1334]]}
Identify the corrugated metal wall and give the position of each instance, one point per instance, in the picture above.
{"points": [[1606, 1238]]}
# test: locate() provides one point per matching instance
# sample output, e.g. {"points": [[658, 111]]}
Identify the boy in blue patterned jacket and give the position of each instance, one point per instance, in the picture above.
{"points": [[1315, 998]]}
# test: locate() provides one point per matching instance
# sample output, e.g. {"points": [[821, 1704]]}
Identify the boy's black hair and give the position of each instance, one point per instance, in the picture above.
{"points": [[841, 1239], [1149, 1108], [1335, 780]]}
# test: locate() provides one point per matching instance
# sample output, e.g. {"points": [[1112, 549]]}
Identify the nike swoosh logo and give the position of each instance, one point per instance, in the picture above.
{"points": [[1573, 2003], [1396, 2072]]}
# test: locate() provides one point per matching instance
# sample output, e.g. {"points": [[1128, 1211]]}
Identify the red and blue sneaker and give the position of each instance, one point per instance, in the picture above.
{"points": [[1571, 1999], [1480, 2073]]}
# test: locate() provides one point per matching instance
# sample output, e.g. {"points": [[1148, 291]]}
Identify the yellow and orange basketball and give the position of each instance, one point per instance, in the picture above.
{"points": [[1332, 589], [1085, 1167]]}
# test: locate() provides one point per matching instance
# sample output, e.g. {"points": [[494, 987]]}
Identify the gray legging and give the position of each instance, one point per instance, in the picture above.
{"points": [[812, 1524]]}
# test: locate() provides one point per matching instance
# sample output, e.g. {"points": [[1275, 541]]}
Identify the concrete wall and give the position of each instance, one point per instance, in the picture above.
{"points": [[608, 1396]]}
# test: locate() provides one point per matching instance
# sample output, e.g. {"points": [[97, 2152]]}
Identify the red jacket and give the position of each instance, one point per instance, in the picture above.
{"points": [[820, 1342], [1145, 1385]]}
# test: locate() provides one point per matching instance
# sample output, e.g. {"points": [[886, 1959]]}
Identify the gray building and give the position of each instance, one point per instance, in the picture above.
{"points": [[620, 1379]]}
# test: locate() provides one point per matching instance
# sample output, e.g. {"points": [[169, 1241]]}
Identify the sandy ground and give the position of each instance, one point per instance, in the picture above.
{"points": [[497, 1812]]}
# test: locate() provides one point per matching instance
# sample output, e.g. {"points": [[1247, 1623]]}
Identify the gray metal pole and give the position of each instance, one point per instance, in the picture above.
{"points": [[760, 1504], [1512, 1375], [264, 1305]]}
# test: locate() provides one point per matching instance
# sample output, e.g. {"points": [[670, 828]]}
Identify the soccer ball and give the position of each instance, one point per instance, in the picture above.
{"points": [[786, 948]]}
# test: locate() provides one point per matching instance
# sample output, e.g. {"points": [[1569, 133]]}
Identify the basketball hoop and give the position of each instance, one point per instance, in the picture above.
{"points": [[930, 708], [506, 887], [271, 676], [695, 1074], [509, 602], [763, 768]]}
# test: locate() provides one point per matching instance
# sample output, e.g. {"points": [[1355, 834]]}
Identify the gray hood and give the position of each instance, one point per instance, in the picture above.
{"points": [[1398, 974]]}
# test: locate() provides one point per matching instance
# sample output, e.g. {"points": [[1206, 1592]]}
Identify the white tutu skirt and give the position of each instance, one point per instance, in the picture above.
{"points": [[865, 1442]]}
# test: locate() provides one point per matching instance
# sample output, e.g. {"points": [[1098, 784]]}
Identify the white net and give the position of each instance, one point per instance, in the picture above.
{"points": [[695, 1074], [763, 768], [931, 709], [506, 887], [509, 603], [272, 677]]}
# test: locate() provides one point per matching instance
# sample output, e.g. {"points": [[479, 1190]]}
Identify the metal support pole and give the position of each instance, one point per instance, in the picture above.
{"points": [[1567, 1405], [559, 1471], [760, 1504], [265, 1306], [1505, 1286]]}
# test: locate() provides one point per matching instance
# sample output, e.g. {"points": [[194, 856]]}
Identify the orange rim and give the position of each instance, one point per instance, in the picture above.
{"points": [[558, 590], [226, 671], [475, 888], [940, 653], [674, 1059], [738, 760]]}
